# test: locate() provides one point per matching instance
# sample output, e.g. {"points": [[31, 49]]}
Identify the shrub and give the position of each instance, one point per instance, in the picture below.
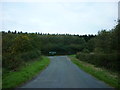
{"points": [[12, 61], [85, 50], [108, 61], [27, 56]]}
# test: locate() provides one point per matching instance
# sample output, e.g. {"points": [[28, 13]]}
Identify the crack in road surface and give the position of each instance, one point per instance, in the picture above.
{"points": [[62, 73]]}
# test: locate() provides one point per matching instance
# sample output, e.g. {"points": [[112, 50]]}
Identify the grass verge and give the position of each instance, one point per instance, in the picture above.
{"points": [[108, 77], [25, 73]]}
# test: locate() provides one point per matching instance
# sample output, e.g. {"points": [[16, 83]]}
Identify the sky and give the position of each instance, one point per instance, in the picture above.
{"points": [[58, 17]]}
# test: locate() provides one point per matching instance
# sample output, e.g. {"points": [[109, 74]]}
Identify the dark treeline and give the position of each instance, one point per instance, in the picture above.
{"points": [[101, 50], [19, 47]]}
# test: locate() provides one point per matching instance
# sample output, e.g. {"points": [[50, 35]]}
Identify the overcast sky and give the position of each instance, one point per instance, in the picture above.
{"points": [[59, 17]]}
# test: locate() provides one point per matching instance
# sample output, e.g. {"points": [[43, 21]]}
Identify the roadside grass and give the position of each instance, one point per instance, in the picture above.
{"points": [[25, 73], [110, 78]]}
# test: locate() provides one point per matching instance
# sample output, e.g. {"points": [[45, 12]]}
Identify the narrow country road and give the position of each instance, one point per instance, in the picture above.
{"points": [[62, 73]]}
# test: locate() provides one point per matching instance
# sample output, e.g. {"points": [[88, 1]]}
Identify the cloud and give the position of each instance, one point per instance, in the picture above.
{"points": [[75, 18]]}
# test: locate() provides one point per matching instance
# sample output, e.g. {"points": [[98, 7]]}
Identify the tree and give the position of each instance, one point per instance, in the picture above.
{"points": [[21, 44]]}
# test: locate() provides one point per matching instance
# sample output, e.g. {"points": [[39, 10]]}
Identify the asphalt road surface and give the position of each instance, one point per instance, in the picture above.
{"points": [[62, 73]]}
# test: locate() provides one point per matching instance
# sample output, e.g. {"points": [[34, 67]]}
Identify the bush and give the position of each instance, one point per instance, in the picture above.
{"points": [[12, 61], [108, 61], [85, 50], [27, 56]]}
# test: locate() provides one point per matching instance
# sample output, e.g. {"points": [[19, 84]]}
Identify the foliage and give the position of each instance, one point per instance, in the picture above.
{"points": [[20, 47], [108, 61], [104, 50], [17, 49]]}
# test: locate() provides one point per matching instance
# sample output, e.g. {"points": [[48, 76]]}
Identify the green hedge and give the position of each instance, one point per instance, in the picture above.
{"points": [[108, 61], [27, 56], [12, 61]]}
